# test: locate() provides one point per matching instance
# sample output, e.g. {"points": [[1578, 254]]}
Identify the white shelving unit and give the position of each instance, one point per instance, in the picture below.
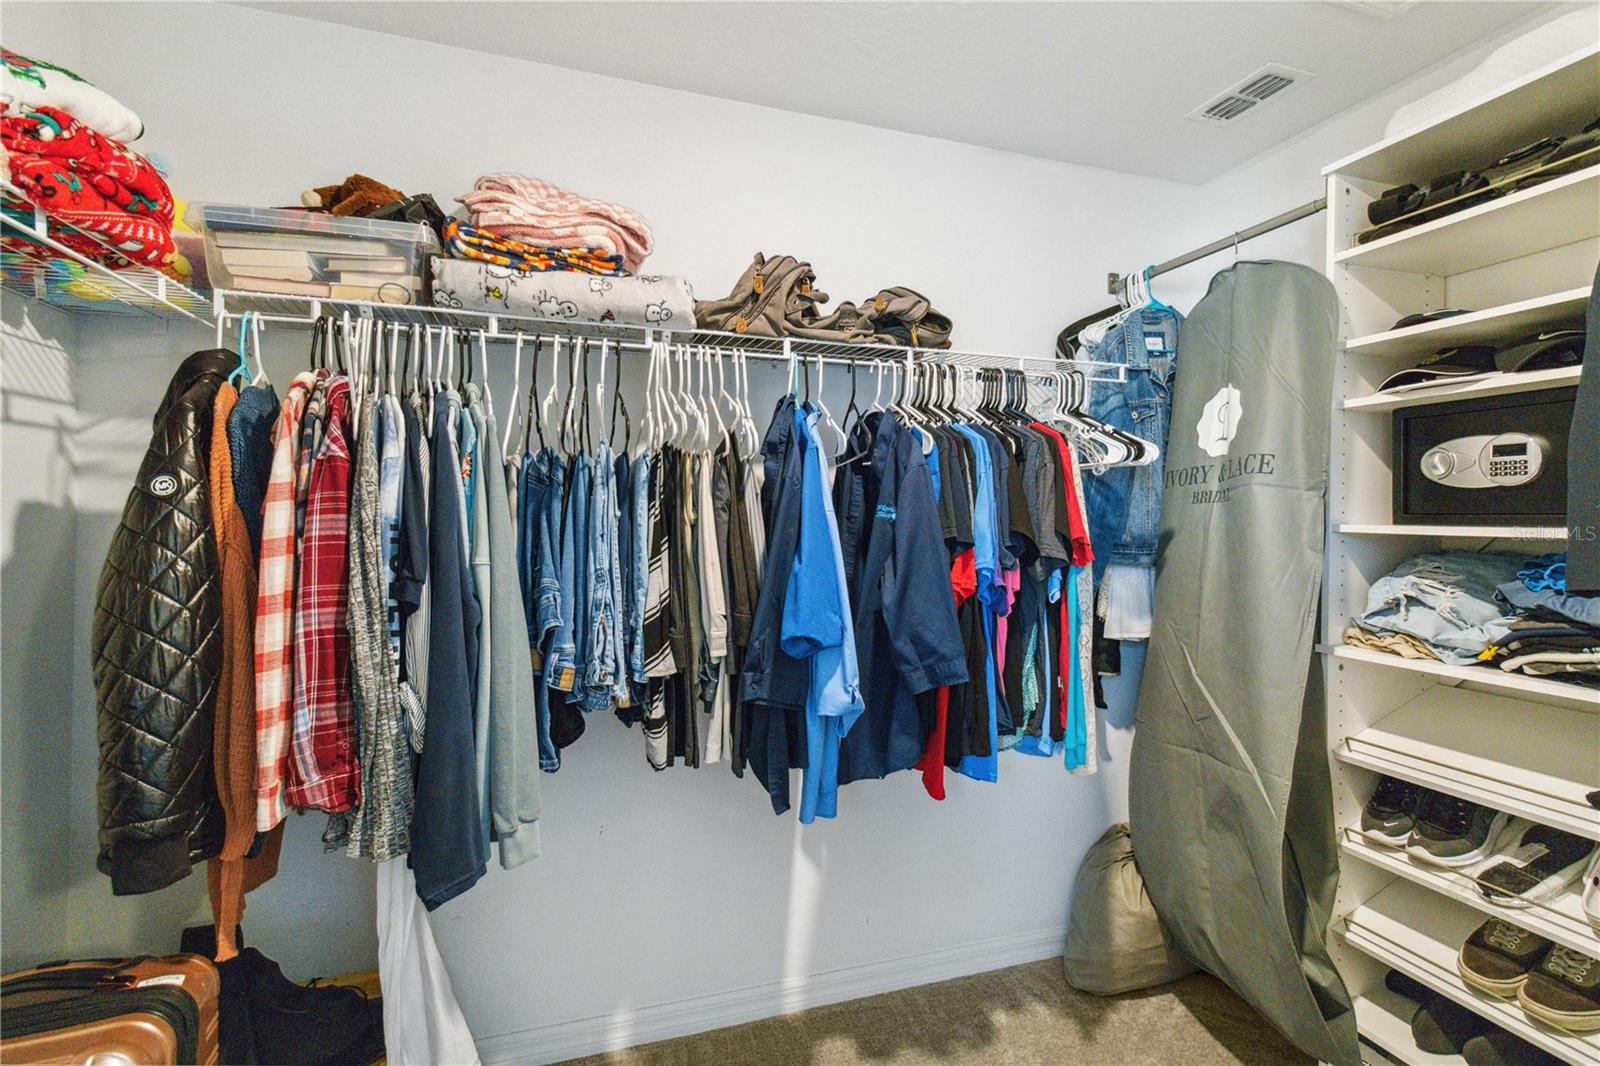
{"points": [[1418, 932], [1528, 746]]}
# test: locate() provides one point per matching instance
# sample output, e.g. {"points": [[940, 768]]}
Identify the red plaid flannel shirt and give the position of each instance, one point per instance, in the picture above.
{"points": [[275, 613], [324, 772]]}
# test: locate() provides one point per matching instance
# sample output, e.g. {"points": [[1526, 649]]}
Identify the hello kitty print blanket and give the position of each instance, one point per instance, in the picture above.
{"points": [[646, 300]]}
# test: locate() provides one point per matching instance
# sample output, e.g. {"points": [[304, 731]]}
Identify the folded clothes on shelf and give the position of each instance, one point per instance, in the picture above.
{"points": [[547, 216], [647, 300], [462, 241], [1547, 571], [1446, 600], [1585, 609], [1402, 644], [31, 84], [94, 184]]}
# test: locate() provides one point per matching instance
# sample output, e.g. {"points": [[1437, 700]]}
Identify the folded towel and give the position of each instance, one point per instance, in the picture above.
{"points": [[466, 242], [29, 84], [647, 300], [548, 216], [93, 184]]}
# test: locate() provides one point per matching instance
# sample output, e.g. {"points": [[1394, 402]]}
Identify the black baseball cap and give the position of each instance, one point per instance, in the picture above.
{"points": [[1543, 351], [1460, 361]]}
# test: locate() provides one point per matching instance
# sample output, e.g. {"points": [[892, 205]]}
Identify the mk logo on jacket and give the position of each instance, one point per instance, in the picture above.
{"points": [[163, 485], [885, 511]]}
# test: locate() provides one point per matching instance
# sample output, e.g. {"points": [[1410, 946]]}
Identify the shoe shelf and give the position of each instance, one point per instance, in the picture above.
{"points": [[1483, 676], [1557, 212], [1559, 919], [1492, 325], [1495, 385], [1529, 759], [1384, 1018], [1410, 929], [1524, 745]]}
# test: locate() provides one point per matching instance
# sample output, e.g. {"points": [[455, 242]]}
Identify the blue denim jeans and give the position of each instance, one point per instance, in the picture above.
{"points": [[1446, 599], [543, 486], [602, 623], [640, 572], [565, 670], [1125, 502]]}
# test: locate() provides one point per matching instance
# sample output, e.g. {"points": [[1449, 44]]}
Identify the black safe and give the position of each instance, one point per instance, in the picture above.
{"points": [[1500, 460]]}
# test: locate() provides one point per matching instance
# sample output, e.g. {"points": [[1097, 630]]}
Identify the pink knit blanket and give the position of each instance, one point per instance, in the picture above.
{"points": [[548, 216]]}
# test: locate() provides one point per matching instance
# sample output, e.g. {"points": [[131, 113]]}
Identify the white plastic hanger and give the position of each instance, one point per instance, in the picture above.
{"points": [[516, 395]]}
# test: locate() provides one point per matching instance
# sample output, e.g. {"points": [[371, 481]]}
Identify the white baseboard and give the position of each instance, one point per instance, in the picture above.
{"points": [[608, 1032]]}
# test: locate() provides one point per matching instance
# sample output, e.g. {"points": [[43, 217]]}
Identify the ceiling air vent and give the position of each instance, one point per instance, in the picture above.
{"points": [[1232, 104]]}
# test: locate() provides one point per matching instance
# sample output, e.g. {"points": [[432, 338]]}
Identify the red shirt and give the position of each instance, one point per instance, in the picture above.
{"points": [[325, 773]]}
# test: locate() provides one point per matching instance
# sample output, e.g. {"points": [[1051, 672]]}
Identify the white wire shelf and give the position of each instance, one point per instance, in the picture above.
{"points": [[303, 311], [52, 273]]}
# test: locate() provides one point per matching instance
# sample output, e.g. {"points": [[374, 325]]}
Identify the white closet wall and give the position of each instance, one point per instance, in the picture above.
{"points": [[664, 903]]}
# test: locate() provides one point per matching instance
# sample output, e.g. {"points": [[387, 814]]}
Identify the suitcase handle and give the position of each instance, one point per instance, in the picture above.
{"points": [[107, 976]]}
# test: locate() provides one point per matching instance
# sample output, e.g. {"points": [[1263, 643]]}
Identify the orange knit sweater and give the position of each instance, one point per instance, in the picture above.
{"points": [[230, 875]]}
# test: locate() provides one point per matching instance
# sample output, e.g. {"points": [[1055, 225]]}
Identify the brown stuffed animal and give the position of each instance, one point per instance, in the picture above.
{"points": [[358, 195]]}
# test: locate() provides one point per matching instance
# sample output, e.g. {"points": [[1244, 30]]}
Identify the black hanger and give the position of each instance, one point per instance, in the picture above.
{"points": [[851, 408], [618, 402], [319, 343]]}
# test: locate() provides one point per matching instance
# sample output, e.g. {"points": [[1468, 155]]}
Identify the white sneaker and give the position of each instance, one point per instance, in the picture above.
{"points": [[1591, 892], [1533, 863]]}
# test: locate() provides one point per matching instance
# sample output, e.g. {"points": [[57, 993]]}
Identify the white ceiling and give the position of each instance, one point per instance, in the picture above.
{"points": [[1104, 84]]}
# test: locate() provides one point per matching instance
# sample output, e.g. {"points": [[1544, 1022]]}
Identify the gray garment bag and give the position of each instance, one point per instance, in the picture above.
{"points": [[1231, 801]]}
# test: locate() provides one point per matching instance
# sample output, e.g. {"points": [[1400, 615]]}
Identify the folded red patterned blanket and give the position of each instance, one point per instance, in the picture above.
{"points": [[93, 184]]}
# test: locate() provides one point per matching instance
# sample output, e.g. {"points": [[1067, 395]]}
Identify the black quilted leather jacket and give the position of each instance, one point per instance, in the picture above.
{"points": [[158, 649]]}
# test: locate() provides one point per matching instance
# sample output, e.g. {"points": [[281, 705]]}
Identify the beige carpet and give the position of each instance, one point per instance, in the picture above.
{"points": [[1022, 1016]]}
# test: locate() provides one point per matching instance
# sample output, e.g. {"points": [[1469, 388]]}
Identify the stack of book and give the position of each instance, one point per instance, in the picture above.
{"points": [[304, 254]]}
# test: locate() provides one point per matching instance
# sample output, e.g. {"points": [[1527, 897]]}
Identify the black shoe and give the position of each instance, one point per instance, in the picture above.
{"points": [[1501, 1048], [297, 1025], [235, 1036], [1534, 864], [1391, 813], [1454, 832], [1441, 1026], [1406, 986]]}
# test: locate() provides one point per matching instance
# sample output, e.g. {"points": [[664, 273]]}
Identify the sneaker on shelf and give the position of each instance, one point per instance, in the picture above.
{"points": [[1391, 813], [1454, 832], [1564, 991], [1498, 956], [1533, 864], [1591, 891]]}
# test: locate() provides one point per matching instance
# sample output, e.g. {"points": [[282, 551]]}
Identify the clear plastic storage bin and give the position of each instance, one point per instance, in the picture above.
{"points": [[301, 253]]}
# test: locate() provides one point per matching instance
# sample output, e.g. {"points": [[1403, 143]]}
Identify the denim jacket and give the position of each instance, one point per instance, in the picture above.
{"points": [[1125, 502]]}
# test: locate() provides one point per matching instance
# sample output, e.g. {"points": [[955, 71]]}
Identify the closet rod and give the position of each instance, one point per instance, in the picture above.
{"points": [[1115, 283], [638, 338]]}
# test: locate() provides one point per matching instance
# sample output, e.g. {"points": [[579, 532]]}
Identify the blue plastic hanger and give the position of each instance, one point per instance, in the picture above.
{"points": [[243, 369], [1151, 299]]}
